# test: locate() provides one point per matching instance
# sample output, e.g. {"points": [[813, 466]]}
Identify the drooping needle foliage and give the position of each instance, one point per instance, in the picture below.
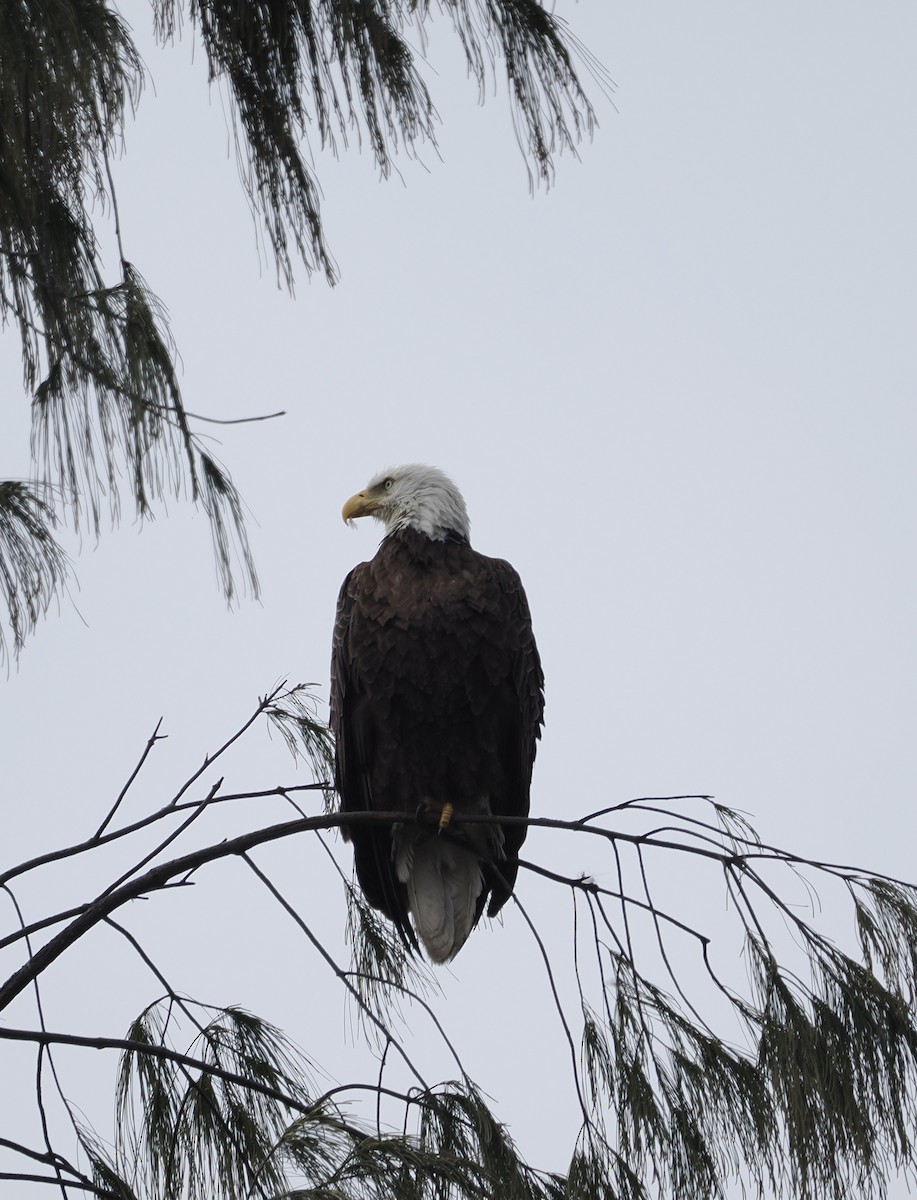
{"points": [[99, 362], [794, 1076]]}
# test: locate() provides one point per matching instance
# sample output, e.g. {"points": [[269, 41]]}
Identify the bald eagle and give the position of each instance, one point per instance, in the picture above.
{"points": [[437, 696]]}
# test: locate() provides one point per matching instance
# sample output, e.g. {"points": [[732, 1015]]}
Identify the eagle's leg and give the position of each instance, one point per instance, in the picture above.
{"points": [[445, 816], [429, 805]]}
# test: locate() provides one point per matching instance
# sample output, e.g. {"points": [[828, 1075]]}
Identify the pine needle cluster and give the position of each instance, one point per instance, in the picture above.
{"points": [[99, 361]]}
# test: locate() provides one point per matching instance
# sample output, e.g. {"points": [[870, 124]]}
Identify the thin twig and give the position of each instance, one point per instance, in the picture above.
{"points": [[546, 960], [660, 942], [199, 809], [170, 991], [210, 759], [84, 1185], [51, 856], [418, 999], [584, 884], [39, 1084], [341, 974], [641, 801], [236, 420], [154, 738]]}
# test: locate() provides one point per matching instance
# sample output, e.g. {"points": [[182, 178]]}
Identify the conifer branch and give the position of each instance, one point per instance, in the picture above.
{"points": [[819, 1099]]}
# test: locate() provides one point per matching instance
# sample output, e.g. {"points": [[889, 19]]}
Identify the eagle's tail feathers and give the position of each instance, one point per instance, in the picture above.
{"points": [[444, 881]]}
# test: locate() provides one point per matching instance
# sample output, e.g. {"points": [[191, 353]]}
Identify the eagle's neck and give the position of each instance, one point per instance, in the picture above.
{"points": [[419, 545], [435, 512]]}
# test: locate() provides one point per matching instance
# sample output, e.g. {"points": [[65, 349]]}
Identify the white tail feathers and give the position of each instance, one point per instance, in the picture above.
{"points": [[444, 882]]}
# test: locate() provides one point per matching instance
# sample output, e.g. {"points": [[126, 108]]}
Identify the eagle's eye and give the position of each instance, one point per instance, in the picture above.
{"points": [[389, 484]]}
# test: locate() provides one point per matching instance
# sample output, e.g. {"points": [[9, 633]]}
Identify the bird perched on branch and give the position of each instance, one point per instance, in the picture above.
{"points": [[437, 696]]}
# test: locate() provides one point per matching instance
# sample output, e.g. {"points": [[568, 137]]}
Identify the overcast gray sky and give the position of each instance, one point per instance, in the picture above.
{"points": [[678, 392]]}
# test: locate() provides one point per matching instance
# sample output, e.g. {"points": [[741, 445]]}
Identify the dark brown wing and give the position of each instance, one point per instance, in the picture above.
{"points": [[355, 730], [521, 720]]}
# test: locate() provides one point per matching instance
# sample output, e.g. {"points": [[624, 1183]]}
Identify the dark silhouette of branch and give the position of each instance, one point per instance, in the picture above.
{"points": [[209, 759], [237, 420], [660, 1094], [583, 883], [151, 1050], [84, 1185], [154, 738], [154, 879], [53, 1159], [42, 1050], [125, 831], [100, 838], [159, 876], [338, 971], [417, 999], [145, 958]]}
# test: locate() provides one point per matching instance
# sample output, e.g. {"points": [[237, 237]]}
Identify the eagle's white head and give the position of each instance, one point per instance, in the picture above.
{"points": [[412, 497]]}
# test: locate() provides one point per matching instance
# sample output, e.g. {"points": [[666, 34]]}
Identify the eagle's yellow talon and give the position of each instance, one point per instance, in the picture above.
{"points": [[445, 816]]}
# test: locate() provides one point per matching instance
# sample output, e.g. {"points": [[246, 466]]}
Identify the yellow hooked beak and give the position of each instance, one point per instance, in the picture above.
{"points": [[361, 505]]}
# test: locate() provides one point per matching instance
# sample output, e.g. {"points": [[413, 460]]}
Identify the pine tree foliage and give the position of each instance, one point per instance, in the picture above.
{"points": [[98, 358], [819, 1098], [195, 1133], [32, 565], [192, 1132], [795, 1076], [293, 713]]}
